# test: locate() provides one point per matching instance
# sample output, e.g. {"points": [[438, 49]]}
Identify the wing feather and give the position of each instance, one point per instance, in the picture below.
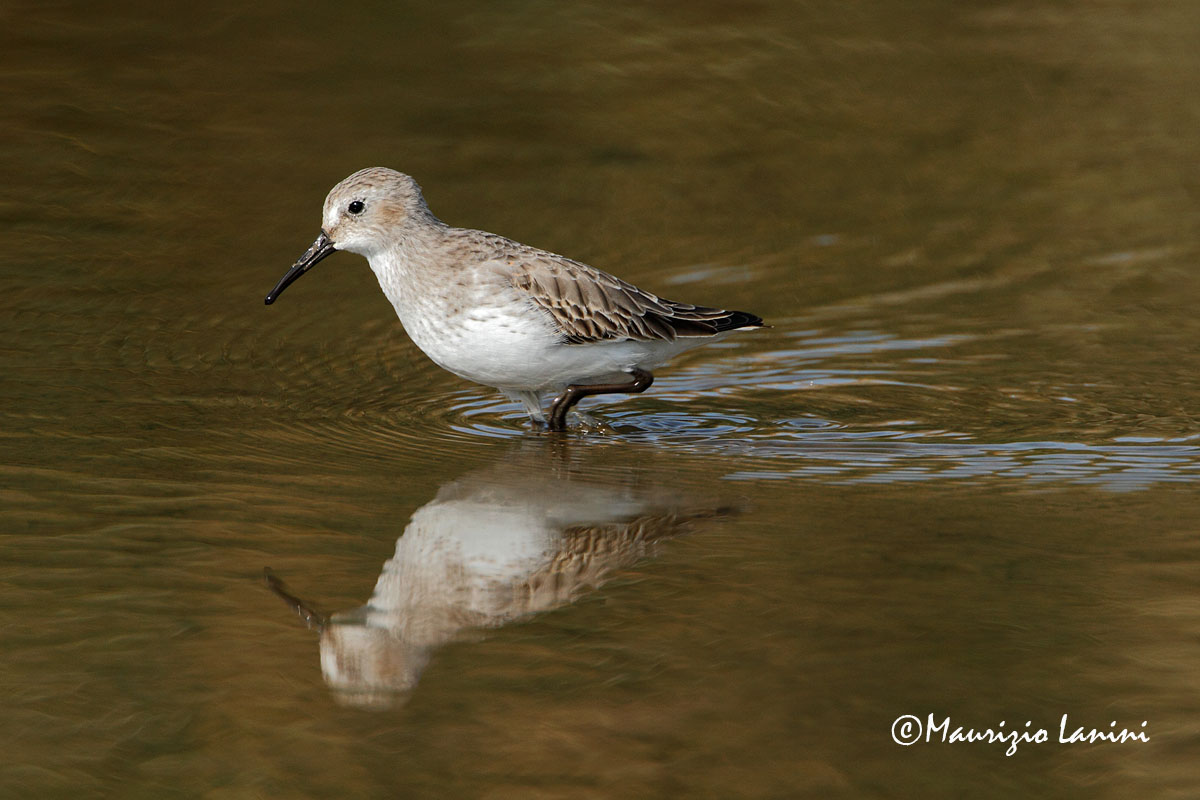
{"points": [[589, 305]]}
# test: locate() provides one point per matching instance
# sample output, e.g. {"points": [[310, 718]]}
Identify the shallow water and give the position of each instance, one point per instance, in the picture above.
{"points": [[958, 476]]}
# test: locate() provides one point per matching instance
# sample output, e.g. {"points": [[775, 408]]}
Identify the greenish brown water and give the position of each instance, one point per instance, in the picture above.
{"points": [[958, 476]]}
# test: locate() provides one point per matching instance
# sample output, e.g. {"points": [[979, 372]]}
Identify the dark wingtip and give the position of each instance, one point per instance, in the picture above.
{"points": [[701, 321], [744, 319], [737, 319]]}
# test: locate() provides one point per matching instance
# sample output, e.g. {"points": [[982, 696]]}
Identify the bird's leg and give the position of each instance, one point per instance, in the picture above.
{"points": [[577, 391]]}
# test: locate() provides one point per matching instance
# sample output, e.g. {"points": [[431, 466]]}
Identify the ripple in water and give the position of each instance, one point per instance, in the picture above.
{"points": [[845, 407]]}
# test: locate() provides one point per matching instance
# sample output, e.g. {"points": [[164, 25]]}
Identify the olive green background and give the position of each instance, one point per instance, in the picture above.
{"points": [[966, 454]]}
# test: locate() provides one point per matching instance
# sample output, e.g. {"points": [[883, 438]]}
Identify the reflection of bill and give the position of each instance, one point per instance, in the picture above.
{"points": [[487, 550]]}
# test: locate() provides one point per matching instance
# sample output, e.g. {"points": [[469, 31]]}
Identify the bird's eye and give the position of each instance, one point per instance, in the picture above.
{"points": [[356, 207]]}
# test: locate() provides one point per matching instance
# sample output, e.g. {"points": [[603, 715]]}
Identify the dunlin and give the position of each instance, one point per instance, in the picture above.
{"points": [[504, 314]]}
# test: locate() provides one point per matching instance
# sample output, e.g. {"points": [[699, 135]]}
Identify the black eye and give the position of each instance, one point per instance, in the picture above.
{"points": [[356, 207]]}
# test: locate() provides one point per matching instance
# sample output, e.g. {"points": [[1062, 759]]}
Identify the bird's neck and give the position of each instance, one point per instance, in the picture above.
{"points": [[408, 267]]}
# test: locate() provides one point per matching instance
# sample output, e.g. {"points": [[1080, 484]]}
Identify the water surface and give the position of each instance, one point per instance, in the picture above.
{"points": [[958, 476]]}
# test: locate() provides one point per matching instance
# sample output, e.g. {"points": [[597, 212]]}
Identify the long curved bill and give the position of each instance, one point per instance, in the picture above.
{"points": [[320, 248]]}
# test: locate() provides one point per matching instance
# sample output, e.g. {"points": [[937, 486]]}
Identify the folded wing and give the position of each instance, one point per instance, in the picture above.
{"points": [[588, 305]]}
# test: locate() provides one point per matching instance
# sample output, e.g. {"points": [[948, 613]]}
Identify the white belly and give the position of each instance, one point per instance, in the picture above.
{"points": [[522, 351]]}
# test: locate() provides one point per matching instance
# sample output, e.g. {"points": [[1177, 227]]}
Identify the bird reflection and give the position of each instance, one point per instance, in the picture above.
{"points": [[492, 547]]}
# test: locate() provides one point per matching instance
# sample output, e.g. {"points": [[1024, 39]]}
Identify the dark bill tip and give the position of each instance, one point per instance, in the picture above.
{"points": [[312, 617], [320, 248]]}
